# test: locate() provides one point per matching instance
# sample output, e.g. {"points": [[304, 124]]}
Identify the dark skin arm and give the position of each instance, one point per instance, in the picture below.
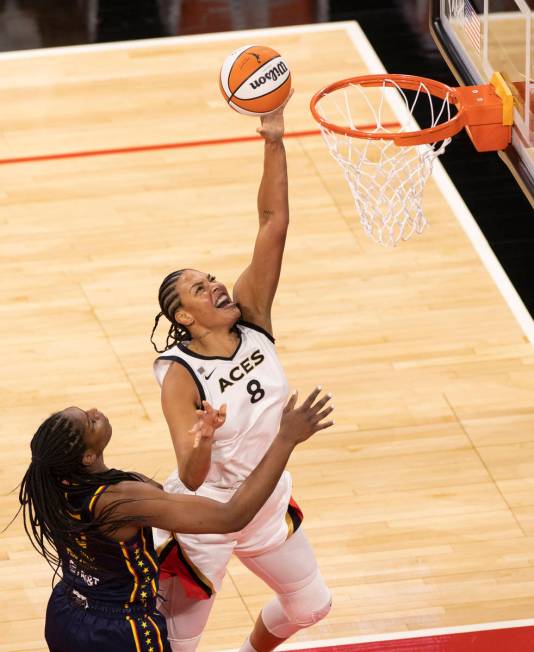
{"points": [[196, 514], [145, 478], [255, 289]]}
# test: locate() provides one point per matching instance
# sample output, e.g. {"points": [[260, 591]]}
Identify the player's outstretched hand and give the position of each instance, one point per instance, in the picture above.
{"points": [[299, 424], [272, 124], [208, 420]]}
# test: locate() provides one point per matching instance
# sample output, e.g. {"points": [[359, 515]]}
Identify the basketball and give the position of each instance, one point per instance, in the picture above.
{"points": [[255, 80]]}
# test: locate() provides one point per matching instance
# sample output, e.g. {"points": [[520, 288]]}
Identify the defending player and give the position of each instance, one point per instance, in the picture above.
{"points": [[94, 523], [221, 349]]}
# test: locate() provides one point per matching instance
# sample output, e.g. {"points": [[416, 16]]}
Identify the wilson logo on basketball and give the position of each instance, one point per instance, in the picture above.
{"points": [[276, 71]]}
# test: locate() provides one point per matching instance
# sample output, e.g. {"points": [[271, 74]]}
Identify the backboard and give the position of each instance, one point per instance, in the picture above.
{"points": [[479, 37]]}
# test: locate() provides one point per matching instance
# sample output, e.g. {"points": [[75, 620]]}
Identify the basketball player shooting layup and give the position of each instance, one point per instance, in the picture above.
{"points": [[221, 349]]}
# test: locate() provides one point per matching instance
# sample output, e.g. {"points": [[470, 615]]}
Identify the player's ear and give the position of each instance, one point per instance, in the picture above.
{"points": [[183, 317]]}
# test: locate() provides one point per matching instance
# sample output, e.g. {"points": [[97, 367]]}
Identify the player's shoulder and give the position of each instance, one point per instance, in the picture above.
{"points": [[170, 354], [179, 373], [181, 358], [181, 386]]}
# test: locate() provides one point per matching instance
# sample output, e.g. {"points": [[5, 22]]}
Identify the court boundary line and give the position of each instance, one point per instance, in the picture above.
{"points": [[403, 635], [451, 196], [140, 44], [455, 201]]}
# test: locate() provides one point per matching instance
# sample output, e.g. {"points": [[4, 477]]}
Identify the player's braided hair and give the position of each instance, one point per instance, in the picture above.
{"points": [[56, 472], [169, 302]]}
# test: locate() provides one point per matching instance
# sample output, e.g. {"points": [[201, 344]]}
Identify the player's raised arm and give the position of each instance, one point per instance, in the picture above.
{"points": [[255, 289], [196, 514]]}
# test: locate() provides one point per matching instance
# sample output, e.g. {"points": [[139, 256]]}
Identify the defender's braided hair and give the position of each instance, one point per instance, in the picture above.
{"points": [[169, 302], [56, 470]]}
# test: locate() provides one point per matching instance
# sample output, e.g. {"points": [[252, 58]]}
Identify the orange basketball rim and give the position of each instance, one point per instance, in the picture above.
{"points": [[387, 164], [485, 111]]}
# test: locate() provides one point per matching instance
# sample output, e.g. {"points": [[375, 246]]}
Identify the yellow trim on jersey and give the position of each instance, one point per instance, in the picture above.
{"points": [[133, 573], [156, 568], [160, 642], [163, 545], [195, 568], [290, 525], [135, 635], [95, 496], [77, 517]]}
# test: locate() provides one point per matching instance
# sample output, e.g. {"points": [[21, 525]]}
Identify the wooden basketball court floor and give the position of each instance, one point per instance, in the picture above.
{"points": [[419, 501]]}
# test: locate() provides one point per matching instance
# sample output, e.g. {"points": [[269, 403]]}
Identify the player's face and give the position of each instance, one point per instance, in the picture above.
{"points": [[97, 428], [204, 300]]}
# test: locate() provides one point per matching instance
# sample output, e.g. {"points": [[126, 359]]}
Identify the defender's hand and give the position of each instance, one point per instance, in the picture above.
{"points": [[299, 424]]}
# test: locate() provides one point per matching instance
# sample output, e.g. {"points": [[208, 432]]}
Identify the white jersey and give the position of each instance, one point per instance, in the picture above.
{"points": [[254, 387]]}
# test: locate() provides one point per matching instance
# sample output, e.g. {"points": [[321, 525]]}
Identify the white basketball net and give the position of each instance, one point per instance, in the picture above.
{"points": [[386, 180]]}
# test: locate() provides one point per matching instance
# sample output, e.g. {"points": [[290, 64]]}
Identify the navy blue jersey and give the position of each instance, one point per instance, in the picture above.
{"points": [[101, 569]]}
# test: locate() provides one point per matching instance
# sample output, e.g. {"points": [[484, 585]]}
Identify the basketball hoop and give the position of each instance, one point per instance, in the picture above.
{"points": [[388, 161]]}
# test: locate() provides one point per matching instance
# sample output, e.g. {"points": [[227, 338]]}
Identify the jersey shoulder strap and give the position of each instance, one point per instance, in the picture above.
{"points": [[93, 498], [175, 354], [258, 329]]}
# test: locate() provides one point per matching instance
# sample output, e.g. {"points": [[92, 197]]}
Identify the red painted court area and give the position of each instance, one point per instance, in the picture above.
{"points": [[516, 639]]}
